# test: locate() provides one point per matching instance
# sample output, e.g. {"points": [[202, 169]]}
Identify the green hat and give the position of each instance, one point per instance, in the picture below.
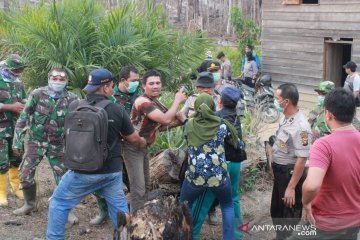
{"points": [[325, 87], [14, 61]]}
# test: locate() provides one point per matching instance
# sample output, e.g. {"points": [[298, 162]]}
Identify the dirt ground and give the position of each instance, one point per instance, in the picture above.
{"points": [[255, 207]]}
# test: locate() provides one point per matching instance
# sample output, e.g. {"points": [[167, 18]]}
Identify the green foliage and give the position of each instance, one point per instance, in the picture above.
{"points": [[246, 30], [250, 179], [80, 35]]}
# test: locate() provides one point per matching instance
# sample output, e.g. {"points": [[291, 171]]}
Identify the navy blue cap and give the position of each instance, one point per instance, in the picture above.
{"points": [[97, 78], [231, 93]]}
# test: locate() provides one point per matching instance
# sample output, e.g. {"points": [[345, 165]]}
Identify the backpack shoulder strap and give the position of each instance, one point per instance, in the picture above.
{"points": [[103, 103]]}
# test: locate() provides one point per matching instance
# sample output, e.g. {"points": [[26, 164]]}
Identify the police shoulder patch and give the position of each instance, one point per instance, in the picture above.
{"points": [[304, 138]]}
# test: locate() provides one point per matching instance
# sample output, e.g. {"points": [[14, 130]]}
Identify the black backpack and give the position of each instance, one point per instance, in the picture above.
{"points": [[86, 131]]}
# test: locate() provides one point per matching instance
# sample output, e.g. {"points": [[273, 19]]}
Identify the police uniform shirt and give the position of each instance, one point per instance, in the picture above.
{"points": [[189, 108], [293, 140]]}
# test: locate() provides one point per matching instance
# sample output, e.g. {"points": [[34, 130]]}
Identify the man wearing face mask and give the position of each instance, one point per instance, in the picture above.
{"points": [[125, 94], [316, 116], [11, 105], [127, 90], [39, 134], [289, 152]]}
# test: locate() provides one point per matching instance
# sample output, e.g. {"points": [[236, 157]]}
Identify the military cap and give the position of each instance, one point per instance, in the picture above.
{"points": [[14, 61], [325, 87]]}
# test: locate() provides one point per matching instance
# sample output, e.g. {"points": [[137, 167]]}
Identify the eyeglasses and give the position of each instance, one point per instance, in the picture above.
{"points": [[57, 74]]}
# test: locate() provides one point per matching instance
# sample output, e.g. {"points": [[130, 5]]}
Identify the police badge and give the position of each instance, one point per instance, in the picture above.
{"points": [[304, 138]]}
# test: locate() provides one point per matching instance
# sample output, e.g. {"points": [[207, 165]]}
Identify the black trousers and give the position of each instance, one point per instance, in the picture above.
{"points": [[281, 214]]}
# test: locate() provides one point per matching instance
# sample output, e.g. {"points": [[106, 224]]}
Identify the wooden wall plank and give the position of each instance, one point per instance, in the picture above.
{"points": [[292, 55], [292, 38], [336, 7], [312, 16], [293, 63], [310, 32], [301, 71], [294, 47], [350, 26], [297, 80]]}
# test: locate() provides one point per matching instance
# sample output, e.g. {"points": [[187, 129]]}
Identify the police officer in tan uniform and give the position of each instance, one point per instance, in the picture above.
{"points": [[290, 152], [204, 84]]}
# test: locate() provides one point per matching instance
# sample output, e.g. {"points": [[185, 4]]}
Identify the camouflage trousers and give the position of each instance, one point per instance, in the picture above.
{"points": [[7, 158], [35, 151]]}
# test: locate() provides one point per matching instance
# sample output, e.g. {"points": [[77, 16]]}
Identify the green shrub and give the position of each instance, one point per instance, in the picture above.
{"points": [[80, 35]]}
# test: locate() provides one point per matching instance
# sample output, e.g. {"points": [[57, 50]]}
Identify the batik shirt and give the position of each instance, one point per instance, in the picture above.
{"points": [[43, 118], [207, 163], [10, 92], [146, 127]]}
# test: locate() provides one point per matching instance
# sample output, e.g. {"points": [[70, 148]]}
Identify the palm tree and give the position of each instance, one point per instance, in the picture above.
{"points": [[80, 35]]}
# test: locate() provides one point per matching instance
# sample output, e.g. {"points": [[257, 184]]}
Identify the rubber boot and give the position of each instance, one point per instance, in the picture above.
{"points": [[14, 182], [103, 212], [72, 219], [3, 190], [30, 202]]}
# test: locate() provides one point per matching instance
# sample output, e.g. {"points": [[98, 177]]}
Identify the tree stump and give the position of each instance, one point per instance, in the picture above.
{"points": [[161, 219]]}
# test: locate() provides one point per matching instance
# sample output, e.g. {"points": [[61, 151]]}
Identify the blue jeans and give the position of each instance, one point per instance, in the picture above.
{"points": [[190, 192], [73, 187]]}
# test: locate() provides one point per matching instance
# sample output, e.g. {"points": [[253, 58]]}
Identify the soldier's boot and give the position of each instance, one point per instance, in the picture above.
{"points": [[3, 190], [14, 182], [72, 219], [30, 202], [103, 212]]}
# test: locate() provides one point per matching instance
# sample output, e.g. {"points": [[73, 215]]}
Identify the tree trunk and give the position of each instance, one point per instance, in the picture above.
{"points": [[165, 167]]}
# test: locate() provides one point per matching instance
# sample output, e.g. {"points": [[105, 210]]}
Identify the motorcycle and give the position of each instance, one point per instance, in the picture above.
{"points": [[260, 98]]}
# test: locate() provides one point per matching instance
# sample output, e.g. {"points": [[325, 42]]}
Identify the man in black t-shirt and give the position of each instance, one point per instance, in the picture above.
{"points": [[74, 186]]}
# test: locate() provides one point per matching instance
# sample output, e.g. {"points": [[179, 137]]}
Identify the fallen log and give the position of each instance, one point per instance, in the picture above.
{"points": [[165, 167]]}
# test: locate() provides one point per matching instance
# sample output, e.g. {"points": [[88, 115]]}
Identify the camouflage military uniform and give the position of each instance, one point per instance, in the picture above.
{"points": [[125, 99], [42, 120], [317, 122], [10, 92]]}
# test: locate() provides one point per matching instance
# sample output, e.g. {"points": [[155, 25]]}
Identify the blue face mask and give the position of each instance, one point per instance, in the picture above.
{"points": [[7, 75], [133, 86], [216, 76], [57, 86], [321, 100], [278, 107]]}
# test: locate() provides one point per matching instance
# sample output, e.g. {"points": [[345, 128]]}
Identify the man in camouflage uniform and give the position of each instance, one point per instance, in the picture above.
{"points": [[125, 94], [12, 98], [39, 131], [316, 116]]}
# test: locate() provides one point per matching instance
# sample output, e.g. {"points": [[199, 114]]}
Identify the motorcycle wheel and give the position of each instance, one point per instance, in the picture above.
{"points": [[268, 113]]}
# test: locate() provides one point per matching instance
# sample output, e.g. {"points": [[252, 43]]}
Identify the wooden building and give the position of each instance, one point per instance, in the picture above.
{"points": [[308, 41]]}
